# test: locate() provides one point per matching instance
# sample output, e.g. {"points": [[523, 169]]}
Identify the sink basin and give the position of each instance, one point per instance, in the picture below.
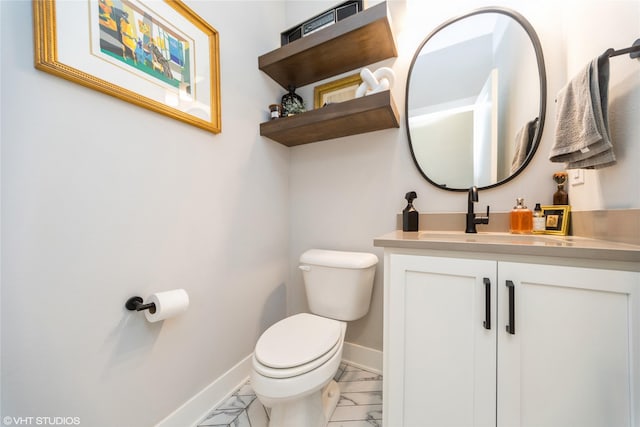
{"points": [[495, 238]]}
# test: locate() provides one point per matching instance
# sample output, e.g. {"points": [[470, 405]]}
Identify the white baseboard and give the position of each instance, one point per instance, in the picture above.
{"points": [[362, 357], [196, 408]]}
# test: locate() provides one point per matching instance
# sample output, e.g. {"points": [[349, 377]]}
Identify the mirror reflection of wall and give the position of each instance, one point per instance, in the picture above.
{"points": [[518, 88], [475, 83], [445, 136]]}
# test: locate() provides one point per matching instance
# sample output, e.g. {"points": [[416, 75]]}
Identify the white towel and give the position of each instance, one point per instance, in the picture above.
{"points": [[582, 126]]}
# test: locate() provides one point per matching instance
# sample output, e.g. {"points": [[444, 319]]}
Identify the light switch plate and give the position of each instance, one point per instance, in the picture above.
{"points": [[576, 177]]}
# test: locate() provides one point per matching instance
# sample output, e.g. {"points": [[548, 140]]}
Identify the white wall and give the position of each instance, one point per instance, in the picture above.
{"points": [[347, 191], [103, 200]]}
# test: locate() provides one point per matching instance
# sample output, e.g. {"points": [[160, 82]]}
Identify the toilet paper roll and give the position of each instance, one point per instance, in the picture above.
{"points": [[168, 304]]}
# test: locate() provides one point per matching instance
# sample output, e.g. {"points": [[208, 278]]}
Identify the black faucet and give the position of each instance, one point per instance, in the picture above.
{"points": [[472, 220]]}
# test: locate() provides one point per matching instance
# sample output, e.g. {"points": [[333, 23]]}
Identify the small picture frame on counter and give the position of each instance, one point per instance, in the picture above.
{"points": [[556, 219]]}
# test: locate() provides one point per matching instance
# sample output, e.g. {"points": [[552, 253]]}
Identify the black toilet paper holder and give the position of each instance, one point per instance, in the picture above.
{"points": [[135, 304]]}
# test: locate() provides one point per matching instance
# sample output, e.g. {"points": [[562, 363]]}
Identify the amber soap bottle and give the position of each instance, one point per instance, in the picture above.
{"points": [[521, 219]]}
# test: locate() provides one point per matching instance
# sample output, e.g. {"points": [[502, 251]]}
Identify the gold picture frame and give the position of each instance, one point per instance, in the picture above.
{"points": [[157, 55], [339, 90], [556, 219]]}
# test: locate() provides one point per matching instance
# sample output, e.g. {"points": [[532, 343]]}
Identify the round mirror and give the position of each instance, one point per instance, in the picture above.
{"points": [[476, 100]]}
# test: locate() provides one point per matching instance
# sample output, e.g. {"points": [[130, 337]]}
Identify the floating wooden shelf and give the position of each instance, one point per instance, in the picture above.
{"points": [[360, 115], [356, 41]]}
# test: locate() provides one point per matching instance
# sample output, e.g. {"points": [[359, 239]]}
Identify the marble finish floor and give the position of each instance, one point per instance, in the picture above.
{"points": [[360, 403]]}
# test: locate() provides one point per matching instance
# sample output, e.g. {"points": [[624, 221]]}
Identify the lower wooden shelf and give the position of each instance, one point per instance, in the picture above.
{"points": [[360, 115]]}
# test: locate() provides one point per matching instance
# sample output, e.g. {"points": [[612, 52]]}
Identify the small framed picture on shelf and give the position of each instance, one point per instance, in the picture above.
{"points": [[556, 219], [343, 89]]}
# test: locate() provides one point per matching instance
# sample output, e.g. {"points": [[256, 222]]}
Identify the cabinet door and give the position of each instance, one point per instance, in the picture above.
{"points": [[440, 367], [571, 360]]}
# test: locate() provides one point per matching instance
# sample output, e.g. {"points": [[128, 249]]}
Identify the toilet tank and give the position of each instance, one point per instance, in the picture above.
{"points": [[338, 283]]}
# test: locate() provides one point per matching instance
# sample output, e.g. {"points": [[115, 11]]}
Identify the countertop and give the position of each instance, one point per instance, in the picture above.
{"points": [[513, 244]]}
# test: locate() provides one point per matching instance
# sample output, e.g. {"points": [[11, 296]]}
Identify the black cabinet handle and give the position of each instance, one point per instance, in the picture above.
{"points": [[511, 327], [487, 304]]}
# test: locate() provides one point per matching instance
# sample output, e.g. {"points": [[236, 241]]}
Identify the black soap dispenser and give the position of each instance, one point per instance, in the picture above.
{"points": [[410, 214]]}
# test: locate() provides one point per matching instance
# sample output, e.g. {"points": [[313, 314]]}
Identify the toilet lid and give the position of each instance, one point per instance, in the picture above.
{"points": [[297, 340]]}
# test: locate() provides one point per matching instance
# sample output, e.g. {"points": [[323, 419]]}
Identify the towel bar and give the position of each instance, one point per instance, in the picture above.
{"points": [[633, 51]]}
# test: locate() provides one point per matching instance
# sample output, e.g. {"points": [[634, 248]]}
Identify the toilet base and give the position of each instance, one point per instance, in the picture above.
{"points": [[330, 397], [313, 410]]}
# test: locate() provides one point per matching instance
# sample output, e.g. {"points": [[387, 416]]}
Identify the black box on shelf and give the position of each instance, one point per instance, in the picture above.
{"points": [[322, 20]]}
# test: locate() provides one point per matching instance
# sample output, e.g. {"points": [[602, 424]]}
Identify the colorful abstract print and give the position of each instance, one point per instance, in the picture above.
{"points": [[131, 35]]}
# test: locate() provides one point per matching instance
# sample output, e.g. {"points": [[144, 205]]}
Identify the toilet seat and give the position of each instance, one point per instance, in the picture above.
{"points": [[297, 345]]}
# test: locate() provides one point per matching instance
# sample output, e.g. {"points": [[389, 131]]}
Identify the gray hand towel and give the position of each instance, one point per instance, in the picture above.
{"points": [[582, 126], [523, 143]]}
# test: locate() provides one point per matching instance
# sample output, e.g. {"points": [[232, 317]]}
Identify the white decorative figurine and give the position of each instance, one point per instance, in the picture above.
{"points": [[381, 79]]}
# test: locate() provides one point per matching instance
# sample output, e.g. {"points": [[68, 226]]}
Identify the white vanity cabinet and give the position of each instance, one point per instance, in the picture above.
{"points": [[479, 341], [440, 361]]}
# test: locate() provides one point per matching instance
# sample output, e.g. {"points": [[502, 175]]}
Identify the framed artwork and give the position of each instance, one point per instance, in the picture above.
{"points": [[556, 219], [155, 54], [339, 90]]}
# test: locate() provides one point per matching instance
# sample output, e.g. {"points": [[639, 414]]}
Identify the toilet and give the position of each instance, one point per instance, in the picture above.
{"points": [[295, 360]]}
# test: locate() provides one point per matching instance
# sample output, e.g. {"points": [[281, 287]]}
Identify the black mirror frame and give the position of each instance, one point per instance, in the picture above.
{"points": [[537, 46]]}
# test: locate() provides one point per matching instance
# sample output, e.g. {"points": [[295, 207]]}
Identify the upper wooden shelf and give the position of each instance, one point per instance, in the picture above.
{"points": [[360, 115], [356, 41]]}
